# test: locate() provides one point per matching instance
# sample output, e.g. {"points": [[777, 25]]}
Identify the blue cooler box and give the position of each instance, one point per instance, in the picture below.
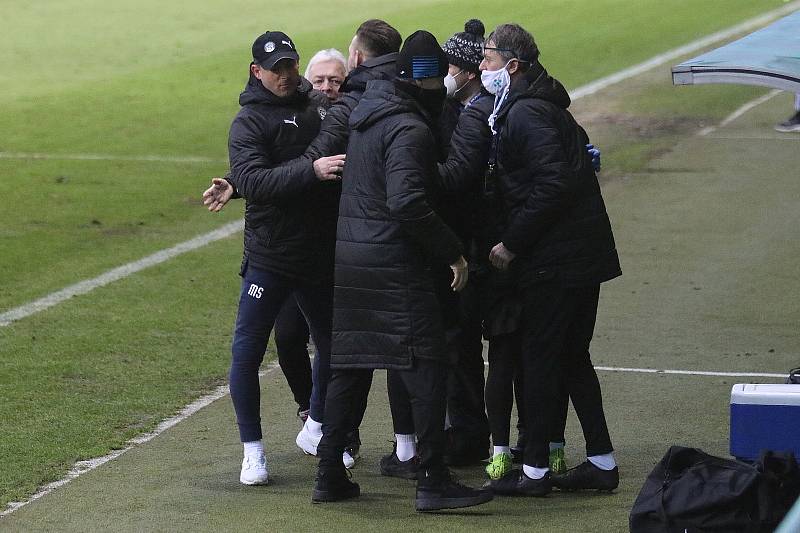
{"points": [[764, 417]]}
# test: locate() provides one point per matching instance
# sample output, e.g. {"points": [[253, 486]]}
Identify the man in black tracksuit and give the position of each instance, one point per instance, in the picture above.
{"points": [[288, 235], [557, 236], [386, 311]]}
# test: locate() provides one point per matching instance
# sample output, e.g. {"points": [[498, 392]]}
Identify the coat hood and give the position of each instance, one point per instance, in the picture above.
{"points": [[381, 99], [255, 93], [537, 83]]}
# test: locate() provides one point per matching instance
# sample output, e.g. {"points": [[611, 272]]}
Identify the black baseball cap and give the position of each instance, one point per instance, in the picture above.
{"points": [[271, 47]]}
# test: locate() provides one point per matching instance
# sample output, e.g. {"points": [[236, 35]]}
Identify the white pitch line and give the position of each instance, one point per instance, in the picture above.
{"points": [[741, 111], [118, 273], [686, 372], [82, 467], [692, 372], [686, 49], [111, 157]]}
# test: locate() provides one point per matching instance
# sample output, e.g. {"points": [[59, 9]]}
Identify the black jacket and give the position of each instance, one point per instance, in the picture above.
{"points": [[335, 130], [460, 189], [290, 219], [555, 217], [386, 312]]}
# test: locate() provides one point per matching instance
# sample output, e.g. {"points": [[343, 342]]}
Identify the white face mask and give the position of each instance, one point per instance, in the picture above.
{"points": [[451, 84], [496, 81]]}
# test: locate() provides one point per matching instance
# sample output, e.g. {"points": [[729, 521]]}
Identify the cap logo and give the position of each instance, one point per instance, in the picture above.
{"points": [[288, 43], [269, 47]]}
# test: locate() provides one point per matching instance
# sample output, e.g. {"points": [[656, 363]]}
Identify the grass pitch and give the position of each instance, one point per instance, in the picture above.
{"points": [[160, 79]]}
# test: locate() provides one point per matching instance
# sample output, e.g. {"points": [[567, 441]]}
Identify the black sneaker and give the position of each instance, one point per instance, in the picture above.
{"points": [[586, 476], [333, 485], [516, 483], [792, 124], [465, 450], [438, 490], [392, 466]]}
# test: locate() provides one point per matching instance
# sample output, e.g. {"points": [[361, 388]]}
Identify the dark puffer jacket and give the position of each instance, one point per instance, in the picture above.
{"points": [[386, 313], [335, 130], [290, 219], [555, 217]]}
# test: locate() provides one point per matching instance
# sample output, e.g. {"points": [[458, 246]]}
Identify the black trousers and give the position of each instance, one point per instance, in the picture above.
{"points": [[505, 369], [416, 399], [466, 408], [461, 319], [291, 342], [557, 328]]}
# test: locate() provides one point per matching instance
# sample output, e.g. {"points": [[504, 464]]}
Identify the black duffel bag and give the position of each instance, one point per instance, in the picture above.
{"points": [[690, 491]]}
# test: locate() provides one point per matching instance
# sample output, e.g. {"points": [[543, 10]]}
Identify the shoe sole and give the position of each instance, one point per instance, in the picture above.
{"points": [[399, 475], [530, 494], [326, 496], [792, 129], [437, 504], [253, 483], [598, 489]]}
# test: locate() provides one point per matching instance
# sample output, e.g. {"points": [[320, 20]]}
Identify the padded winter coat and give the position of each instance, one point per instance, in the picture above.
{"points": [[554, 217], [386, 313], [290, 218]]}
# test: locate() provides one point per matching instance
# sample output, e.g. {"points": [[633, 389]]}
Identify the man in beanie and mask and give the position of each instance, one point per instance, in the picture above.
{"points": [[556, 234], [288, 236], [386, 311], [464, 136]]}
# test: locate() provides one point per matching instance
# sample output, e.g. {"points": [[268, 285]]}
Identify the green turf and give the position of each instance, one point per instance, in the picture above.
{"points": [[76, 219], [153, 86], [158, 78]]}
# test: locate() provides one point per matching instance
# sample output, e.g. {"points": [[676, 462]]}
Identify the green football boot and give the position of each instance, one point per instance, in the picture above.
{"points": [[558, 465], [500, 465]]}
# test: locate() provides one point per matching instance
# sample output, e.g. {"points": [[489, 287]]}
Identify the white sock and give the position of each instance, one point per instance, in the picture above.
{"points": [[502, 449], [603, 462], [314, 427], [406, 446], [556, 446], [533, 472], [254, 448]]}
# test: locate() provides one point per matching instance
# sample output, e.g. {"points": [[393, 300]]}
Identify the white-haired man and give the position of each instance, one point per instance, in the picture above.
{"points": [[326, 71]]}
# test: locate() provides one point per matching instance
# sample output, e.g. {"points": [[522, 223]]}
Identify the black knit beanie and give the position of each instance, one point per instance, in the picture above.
{"points": [[465, 49]]}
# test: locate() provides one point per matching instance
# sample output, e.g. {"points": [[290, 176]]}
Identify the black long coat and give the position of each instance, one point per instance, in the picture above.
{"points": [[386, 313], [555, 219]]}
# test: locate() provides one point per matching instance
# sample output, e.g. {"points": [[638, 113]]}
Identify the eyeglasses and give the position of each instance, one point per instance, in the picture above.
{"points": [[510, 51], [498, 50]]}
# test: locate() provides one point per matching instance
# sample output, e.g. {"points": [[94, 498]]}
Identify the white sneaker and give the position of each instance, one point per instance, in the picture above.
{"points": [[254, 470], [307, 442]]}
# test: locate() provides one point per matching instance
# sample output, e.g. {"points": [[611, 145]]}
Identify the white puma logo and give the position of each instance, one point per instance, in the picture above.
{"points": [[293, 122], [288, 43]]}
